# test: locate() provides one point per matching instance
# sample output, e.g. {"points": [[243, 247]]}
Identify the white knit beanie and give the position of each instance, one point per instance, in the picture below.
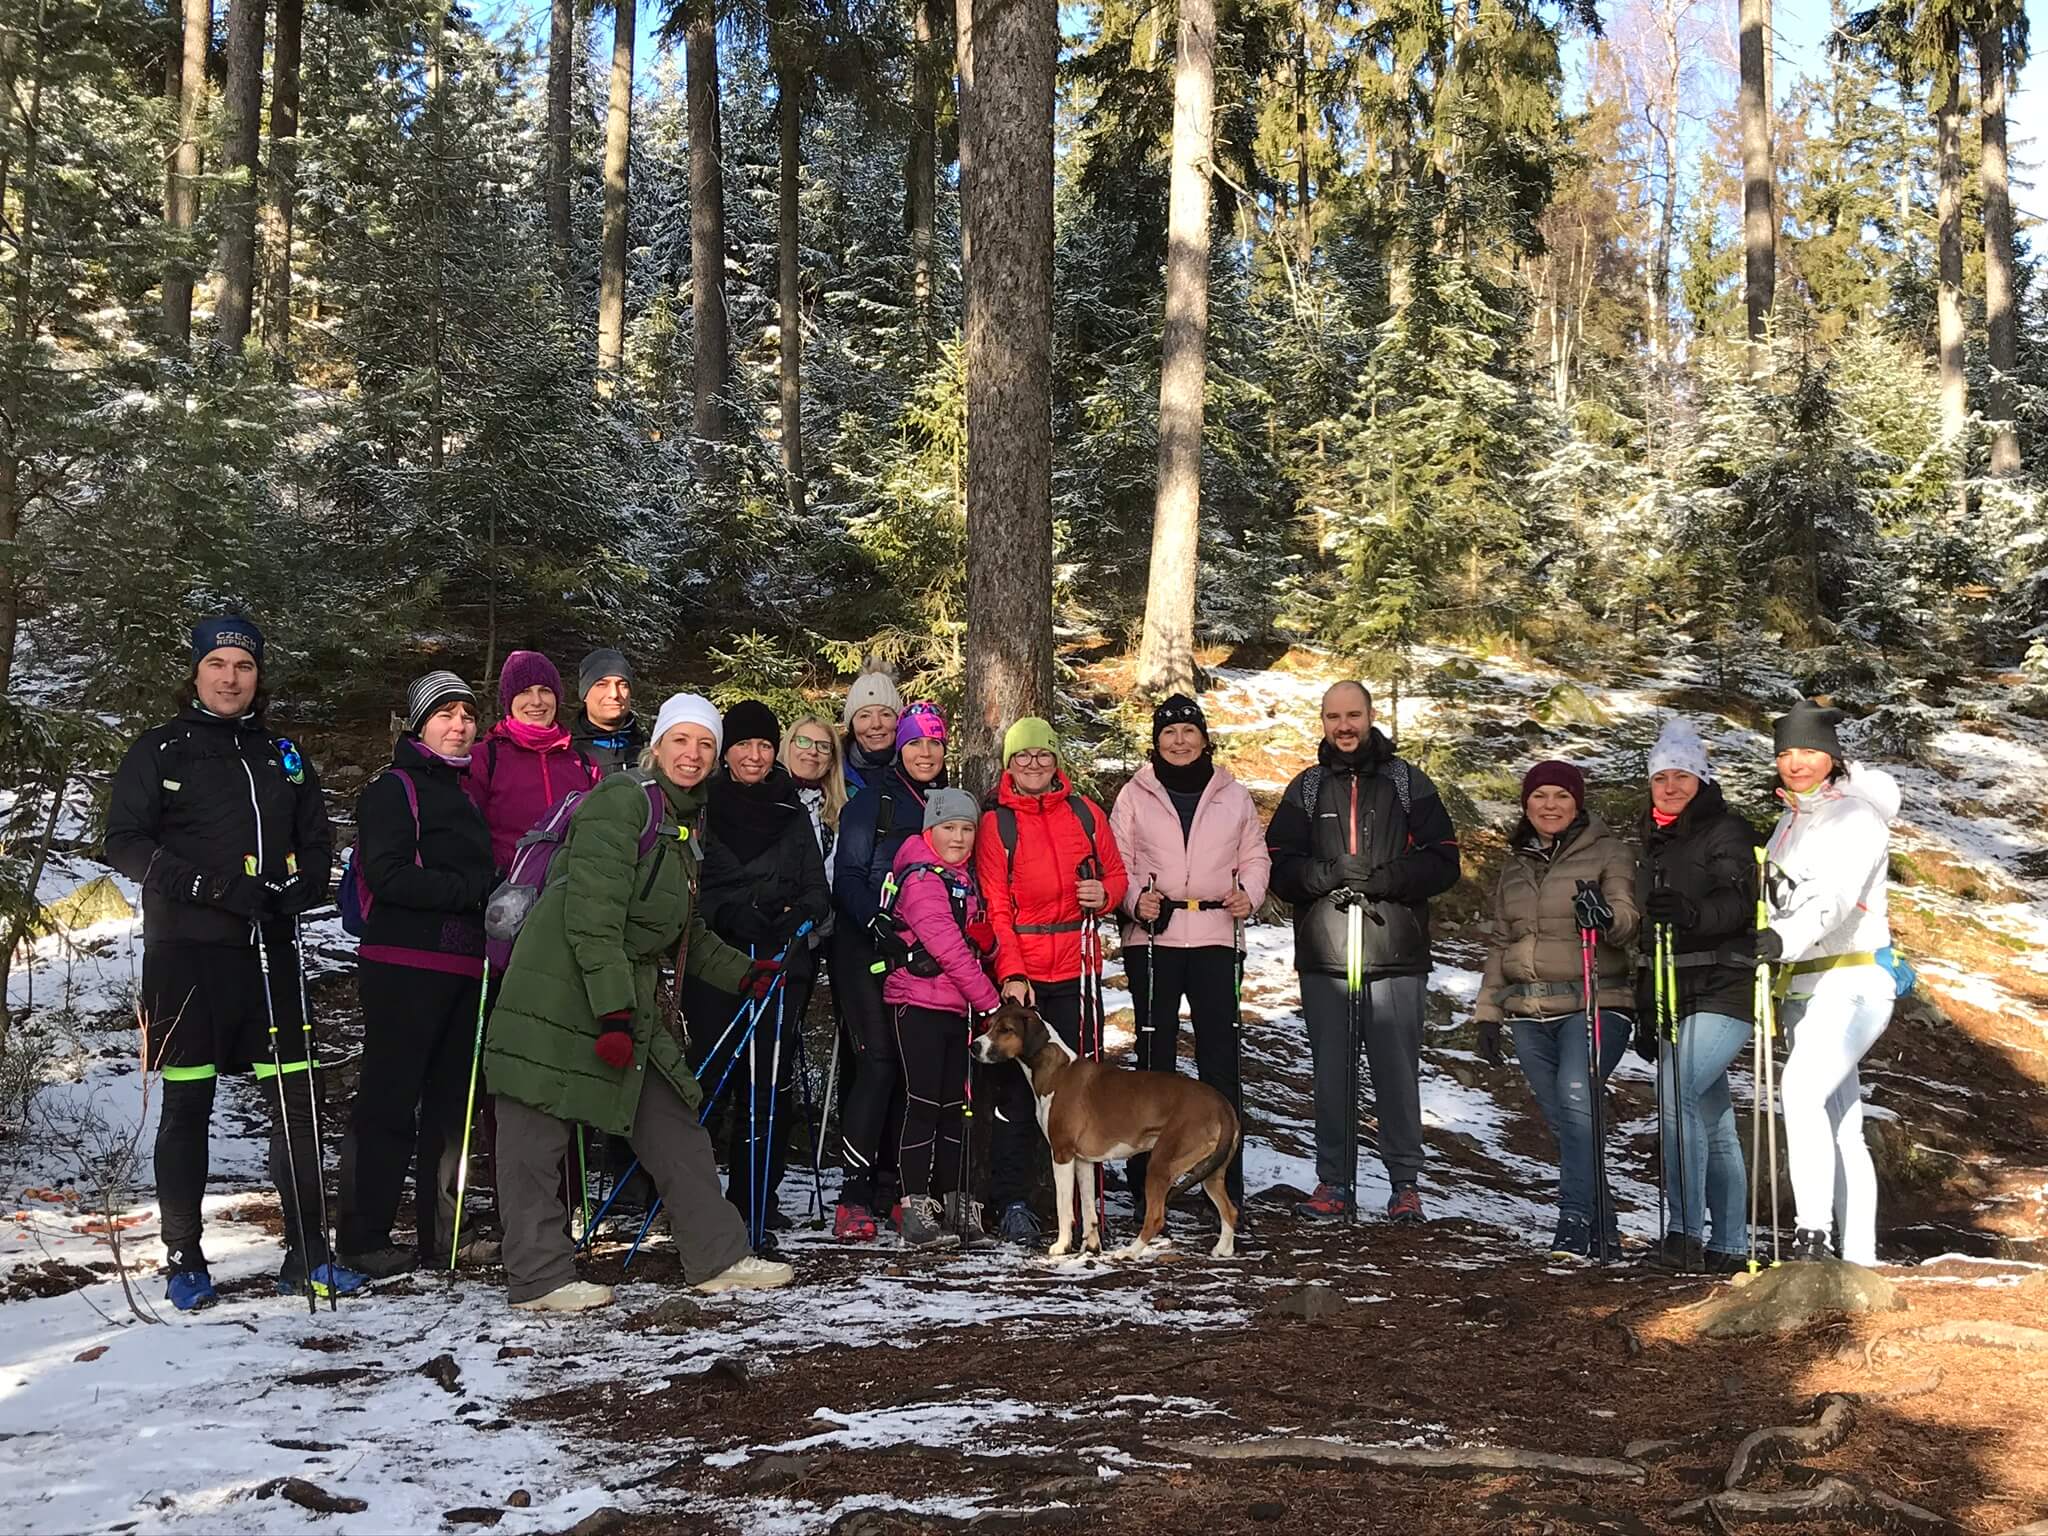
{"points": [[690, 709], [871, 688], [1679, 746]]}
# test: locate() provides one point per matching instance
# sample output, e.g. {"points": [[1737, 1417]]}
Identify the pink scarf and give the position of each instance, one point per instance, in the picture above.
{"points": [[535, 738]]}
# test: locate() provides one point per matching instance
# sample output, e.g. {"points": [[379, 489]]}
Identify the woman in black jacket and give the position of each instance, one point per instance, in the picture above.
{"points": [[423, 867], [763, 880], [1698, 877]]}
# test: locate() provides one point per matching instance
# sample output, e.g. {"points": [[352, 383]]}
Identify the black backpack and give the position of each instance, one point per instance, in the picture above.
{"points": [[894, 949], [1006, 832]]}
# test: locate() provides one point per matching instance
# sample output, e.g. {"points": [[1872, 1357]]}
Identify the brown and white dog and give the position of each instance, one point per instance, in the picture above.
{"points": [[1092, 1112]]}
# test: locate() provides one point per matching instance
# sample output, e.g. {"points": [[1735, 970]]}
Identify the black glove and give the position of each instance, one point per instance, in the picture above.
{"points": [[1591, 909], [1674, 907], [1489, 1042], [1644, 1040], [1355, 871], [750, 925], [477, 888], [1770, 946], [240, 894], [289, 896]]}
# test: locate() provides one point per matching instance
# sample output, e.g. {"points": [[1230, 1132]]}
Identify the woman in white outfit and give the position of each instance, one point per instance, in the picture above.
{"points": [[1829, 855]]}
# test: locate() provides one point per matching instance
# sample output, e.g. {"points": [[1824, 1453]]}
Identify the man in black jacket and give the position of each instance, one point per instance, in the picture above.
{"points": [[223, 826], [607, 731], [1363, 825]]}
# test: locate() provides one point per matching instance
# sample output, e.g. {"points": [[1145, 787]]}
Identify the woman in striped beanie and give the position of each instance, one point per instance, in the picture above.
{"points": [[423, 865]]}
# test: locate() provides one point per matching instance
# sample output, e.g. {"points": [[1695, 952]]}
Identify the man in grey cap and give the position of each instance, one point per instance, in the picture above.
{"points": [[607, 732]]}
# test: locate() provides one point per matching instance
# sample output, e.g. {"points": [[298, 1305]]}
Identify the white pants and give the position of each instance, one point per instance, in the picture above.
{"points": [[1823, 1103]]}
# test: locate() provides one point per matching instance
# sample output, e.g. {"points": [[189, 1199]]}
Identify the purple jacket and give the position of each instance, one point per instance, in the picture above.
{"points": [[514, 786], [923, 907]]}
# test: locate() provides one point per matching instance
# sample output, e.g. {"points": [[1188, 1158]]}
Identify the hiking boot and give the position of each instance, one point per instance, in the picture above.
{"points": [[778, 1221], [576, 1296], [1680, 1254], [1405, 1206], [1019, 1226], [1328, 1203], [1809, 1247], [853, 1224], [478, 1253], [963, 1220], [1720, 1263], [384, 1262], [329, 1279], [749, 1274], [191, 1290], [924, 1224], [1573, 1239]]}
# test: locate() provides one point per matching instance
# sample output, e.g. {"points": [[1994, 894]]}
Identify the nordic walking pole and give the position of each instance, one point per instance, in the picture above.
{"points": [[1765, 1064], [284, 1120], [1145, 1029], [313, 1098], [1589, 938], [1091, 1003], [605, 1206], [803, 1082], [583, 1175], [1668, 970], [761, 1189], [476, 1056], [1354, 986]]}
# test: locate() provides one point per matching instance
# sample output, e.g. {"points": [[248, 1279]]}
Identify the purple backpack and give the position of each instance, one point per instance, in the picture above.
{"points": [[354, 897], [519, 892]]}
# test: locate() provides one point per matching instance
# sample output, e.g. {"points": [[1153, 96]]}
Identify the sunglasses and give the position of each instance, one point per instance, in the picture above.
{"points": [[811, 744]]}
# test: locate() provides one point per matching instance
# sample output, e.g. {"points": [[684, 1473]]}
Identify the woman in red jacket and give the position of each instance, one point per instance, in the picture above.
{"points": [[1048, 868]]}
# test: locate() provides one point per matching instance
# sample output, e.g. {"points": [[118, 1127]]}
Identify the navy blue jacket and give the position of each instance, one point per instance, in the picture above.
{"points": [[864, 855]]}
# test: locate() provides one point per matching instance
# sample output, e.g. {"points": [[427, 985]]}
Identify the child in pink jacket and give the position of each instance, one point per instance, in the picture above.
{"points": [[1197, 864], [937, 982]]}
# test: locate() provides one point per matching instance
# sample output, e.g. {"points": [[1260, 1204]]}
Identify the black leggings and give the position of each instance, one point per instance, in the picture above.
{"points": [[932, 1045], [871, 1120], [1207, 978]]}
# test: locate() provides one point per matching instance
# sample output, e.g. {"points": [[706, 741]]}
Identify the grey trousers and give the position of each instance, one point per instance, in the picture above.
{"points": [[671, 1146], [1390, 1019]]}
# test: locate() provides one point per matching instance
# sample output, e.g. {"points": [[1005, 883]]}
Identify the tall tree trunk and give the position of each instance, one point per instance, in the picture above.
{"points": [[284, 177], [181, 211], [922, 181], [707, 224], [1948, 298], [561, 75], [789, 323], [1999, 326], [1006, 51], [618, 152], [1166, 657], [1304, 207], [437, 328], [21, 328], [242, 104], [1759, 200]]}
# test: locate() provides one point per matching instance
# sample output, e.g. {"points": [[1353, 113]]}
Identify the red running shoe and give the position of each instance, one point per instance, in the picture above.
{"points": [[1405, 1206], [1328, 1203], [853, 1224]]}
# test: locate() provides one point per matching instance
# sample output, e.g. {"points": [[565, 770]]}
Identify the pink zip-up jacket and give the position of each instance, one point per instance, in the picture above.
{"points": [[1225, 843], [923, 907]]}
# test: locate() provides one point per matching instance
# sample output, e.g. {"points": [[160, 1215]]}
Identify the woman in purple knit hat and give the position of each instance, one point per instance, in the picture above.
{"points": [[528, 761]]}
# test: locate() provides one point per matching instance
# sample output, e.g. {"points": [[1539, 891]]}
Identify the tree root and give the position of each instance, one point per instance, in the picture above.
{"points": [[1833, 1498], [1960, 1331], [1471, 1461], [311, 1496], [1765, 1449]]}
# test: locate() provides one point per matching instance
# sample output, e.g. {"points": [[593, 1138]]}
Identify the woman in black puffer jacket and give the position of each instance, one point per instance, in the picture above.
{"points": [[423, 865], [763, 880], [1698, 875]]}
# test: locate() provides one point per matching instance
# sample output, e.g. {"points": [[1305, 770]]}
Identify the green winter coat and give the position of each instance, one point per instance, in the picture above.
{"points": [[594, 944]]}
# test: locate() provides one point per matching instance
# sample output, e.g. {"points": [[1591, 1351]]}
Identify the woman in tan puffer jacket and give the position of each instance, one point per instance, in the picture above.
{"points": [[1535, 980]]}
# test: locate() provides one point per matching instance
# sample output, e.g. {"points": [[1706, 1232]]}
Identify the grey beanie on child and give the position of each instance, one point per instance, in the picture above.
{"points": [[944, 805]]}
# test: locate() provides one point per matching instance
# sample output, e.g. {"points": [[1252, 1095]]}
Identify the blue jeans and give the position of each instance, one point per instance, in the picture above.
{"points": [[1709, 1145], [1553, 1054]]}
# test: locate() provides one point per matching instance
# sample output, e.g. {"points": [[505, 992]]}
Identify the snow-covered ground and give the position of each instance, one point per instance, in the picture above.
{"points": [[111, 1424]]}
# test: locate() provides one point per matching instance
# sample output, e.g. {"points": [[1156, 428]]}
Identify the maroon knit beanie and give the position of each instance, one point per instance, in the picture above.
{"points": [[524, 670], [1560, 775]]}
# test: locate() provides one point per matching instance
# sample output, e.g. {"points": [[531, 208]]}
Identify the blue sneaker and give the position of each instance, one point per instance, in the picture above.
{"points": [[329, 1279], [191, 1290], [1019, 1225]]}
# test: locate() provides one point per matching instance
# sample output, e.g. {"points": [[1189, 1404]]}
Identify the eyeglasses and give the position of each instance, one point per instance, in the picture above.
{"points": [[811, 744], [1035, 759]]}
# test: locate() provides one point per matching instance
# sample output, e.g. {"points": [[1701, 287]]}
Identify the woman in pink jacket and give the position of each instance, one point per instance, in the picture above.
{"points": [[526, 763], [1197, 861], [937, 982]]}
